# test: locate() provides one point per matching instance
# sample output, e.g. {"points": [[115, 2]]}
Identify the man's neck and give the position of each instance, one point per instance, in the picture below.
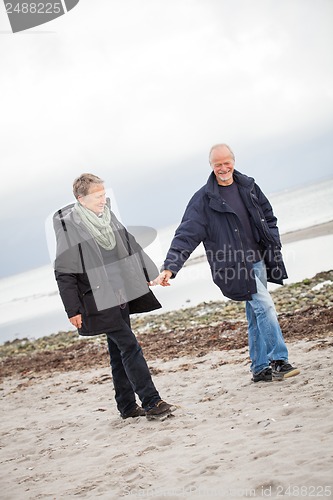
{"points": [[225, 183]]}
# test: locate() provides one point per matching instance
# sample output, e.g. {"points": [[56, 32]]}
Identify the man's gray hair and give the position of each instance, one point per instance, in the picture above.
{"points": [[82, 184], [220, 146]]}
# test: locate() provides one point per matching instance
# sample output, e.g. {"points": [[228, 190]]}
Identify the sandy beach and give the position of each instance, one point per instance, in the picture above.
{"points": [[62, 437], [308, 233], [229, 438]]}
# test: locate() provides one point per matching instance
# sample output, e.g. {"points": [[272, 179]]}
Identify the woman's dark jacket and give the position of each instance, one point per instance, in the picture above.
{"points": [[210, 220], [82, 279]]}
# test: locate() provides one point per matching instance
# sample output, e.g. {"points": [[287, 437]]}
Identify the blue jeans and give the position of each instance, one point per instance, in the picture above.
{"points": [[130, 372], [266, 341]]}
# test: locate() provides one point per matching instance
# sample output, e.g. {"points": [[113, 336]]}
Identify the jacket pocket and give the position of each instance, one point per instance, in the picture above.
{"points": [[233, 280], [224, 275], [89, 303], [100, 298]]}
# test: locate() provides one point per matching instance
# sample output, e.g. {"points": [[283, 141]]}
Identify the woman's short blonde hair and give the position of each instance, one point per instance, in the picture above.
{"points": [[82, 184]]}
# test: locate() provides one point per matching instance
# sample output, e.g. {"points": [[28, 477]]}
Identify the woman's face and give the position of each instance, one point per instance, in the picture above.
{"points": [[95, 199]]}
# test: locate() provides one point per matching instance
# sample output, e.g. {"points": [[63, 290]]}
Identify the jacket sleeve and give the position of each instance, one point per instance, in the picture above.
{"points": [[189, 234], [68, 290], [67, 265], [269, 216]]}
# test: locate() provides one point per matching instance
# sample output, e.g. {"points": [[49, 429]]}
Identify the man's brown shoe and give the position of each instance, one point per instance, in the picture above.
{"points": [[160, 409], [136, 412]]}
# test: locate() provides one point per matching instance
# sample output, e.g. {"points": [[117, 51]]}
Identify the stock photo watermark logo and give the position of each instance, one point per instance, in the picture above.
{"points": [[120, 280], [24, 15]]}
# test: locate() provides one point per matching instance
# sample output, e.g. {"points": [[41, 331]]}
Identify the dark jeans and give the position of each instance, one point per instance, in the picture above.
{"points": [[129, 369]]}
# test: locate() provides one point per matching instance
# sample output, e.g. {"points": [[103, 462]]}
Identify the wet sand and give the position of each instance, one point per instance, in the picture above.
{"points": [[308, 233]]}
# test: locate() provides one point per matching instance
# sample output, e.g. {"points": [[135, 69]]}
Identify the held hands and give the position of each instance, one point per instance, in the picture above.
{"points": [[76, 320], [162, 279]]}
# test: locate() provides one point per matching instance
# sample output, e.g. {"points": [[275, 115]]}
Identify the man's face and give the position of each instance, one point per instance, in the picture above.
{"points": [[95, 199], [223, 165]]}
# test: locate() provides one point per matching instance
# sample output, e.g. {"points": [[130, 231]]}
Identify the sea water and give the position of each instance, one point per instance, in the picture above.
{"points": [[30, 305]]}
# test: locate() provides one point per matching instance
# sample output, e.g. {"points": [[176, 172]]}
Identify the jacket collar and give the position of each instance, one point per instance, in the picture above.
{"points": [[212, 187], [68, 214]]}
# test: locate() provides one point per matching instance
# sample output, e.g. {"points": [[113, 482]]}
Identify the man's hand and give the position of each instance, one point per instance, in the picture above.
{"points": [[162, 279], [76, 320]]}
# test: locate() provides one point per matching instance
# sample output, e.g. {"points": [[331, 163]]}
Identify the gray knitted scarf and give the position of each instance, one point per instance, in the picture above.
{"points": [[99, 227]]}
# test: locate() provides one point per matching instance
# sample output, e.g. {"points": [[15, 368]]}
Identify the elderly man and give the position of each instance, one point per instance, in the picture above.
{"points": [[102, 275], [235, 222]]}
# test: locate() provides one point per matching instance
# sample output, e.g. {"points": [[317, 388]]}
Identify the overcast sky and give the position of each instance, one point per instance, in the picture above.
{"points": [[136, 91]]}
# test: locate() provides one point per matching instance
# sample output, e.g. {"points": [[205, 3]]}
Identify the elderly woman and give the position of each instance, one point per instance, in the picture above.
{"points": [[102, 275]]}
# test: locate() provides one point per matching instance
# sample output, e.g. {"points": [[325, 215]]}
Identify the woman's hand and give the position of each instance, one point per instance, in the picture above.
{"points": [[76, 320], [162, 279]]}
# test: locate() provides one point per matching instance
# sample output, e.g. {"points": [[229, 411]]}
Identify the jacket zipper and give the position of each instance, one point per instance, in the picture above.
{"points": [[243, 253]]}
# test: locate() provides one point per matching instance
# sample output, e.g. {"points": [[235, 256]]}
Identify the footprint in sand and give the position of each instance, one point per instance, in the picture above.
{"points": [[164, 442], [146, 450]]}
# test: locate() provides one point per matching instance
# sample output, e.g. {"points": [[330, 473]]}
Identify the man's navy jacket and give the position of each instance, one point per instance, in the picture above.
{"points": [[208, 219]]}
